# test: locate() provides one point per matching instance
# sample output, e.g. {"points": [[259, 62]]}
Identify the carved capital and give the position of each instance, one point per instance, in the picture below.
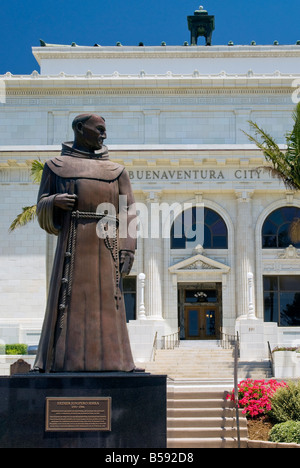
{"points": [[152, 196], [244, 196]]}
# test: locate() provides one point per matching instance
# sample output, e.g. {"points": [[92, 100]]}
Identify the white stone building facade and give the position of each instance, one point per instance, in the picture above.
{"points": [[175, 118]]}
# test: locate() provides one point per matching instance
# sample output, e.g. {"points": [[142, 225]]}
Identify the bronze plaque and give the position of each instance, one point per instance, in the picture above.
{"points": [[78, 414]]}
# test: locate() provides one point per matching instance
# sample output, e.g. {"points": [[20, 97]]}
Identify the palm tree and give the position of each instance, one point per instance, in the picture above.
{"points": [[283, 165], [29, 212]]}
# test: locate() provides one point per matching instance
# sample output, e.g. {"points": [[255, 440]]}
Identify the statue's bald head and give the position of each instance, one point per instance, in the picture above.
{"points": [[89, 132], [82, 118]]}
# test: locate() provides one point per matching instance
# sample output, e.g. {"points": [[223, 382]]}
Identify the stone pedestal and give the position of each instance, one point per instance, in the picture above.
{"points": [[253, 346], [142, 334], [137, 419], [286, 365]]}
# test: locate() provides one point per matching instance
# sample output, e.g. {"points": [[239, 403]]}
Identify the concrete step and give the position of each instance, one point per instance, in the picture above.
{"points": [[217, 364], [200, 416], [203, 360], [197, 383], [225, 374], [215, 344], [205, 422], [193, 393], [199, 403], [199, 375], [194, 362], [191, 363], [200, 385], [206, 443], [197, 362], [217, 370], [200, 412], [199, 351], [204, 432], [195, 351]]}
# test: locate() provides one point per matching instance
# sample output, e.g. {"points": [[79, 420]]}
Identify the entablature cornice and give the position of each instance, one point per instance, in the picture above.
{"points": [[171, 90], [167, 175], [245, 156], [142, 84], [57, 52], [17, 158]]}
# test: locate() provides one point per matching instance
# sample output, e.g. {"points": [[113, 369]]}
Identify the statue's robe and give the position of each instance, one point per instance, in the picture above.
{"points": [[92, 335]]}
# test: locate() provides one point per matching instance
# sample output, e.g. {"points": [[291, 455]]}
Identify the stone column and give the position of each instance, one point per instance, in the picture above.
{"points": [[251, 297], [153, 260], [245, 256]]}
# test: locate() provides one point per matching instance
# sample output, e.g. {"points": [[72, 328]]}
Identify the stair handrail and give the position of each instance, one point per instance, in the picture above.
{"points": [[228, 341], [154, 348], [171, 341], [271, 359], [236, 390]]}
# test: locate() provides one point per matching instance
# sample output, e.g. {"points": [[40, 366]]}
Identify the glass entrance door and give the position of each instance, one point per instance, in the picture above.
{"points": [[202, 322]]}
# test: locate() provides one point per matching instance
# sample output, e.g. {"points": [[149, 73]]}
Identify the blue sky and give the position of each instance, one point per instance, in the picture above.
{"points": [[86, 22]]}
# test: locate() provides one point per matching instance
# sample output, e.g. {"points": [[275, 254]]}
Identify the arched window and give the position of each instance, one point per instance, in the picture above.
{"points": [[275, 231], [199, 226]]}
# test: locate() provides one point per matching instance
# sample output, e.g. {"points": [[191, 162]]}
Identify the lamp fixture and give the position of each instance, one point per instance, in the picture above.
{"points": [[200, 295]]}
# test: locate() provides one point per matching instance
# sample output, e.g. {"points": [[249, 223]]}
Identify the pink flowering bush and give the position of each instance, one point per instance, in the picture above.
{"points": [[255, 396]]}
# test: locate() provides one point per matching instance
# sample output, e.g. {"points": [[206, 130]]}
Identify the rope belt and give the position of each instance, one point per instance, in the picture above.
{"points": [[111, 243], [94, 216]]}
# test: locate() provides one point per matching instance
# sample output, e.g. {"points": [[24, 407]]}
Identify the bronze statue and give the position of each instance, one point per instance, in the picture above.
{"points": [[85, 327]]}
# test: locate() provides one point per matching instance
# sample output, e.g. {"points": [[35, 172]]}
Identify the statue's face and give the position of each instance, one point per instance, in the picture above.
{"points": [[93, 133]]}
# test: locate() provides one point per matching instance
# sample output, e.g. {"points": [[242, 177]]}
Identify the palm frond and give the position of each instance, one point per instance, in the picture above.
{"points": [[28, 214], [276, 174], [294, 231], [266, 143], [37, 168], [293, 138], [282, 166]]}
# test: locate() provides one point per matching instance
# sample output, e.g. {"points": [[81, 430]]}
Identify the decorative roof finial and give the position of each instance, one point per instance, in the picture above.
{"points": [[201, 24], [201, 11]]}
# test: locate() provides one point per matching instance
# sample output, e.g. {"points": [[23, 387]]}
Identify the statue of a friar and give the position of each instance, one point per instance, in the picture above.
{"points": [[85, 327]]}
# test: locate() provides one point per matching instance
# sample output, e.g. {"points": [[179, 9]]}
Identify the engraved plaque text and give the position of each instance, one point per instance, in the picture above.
{"points": [[78, 414]]}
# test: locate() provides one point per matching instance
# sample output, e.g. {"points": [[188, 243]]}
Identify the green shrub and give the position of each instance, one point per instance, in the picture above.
{"points": [[16, 349], [2, 348], [285, 403], [288, 432], [283, 348]]}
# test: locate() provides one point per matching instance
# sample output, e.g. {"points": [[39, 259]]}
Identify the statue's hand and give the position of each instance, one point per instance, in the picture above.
{"points": [[126, 262], [65, 201]]}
